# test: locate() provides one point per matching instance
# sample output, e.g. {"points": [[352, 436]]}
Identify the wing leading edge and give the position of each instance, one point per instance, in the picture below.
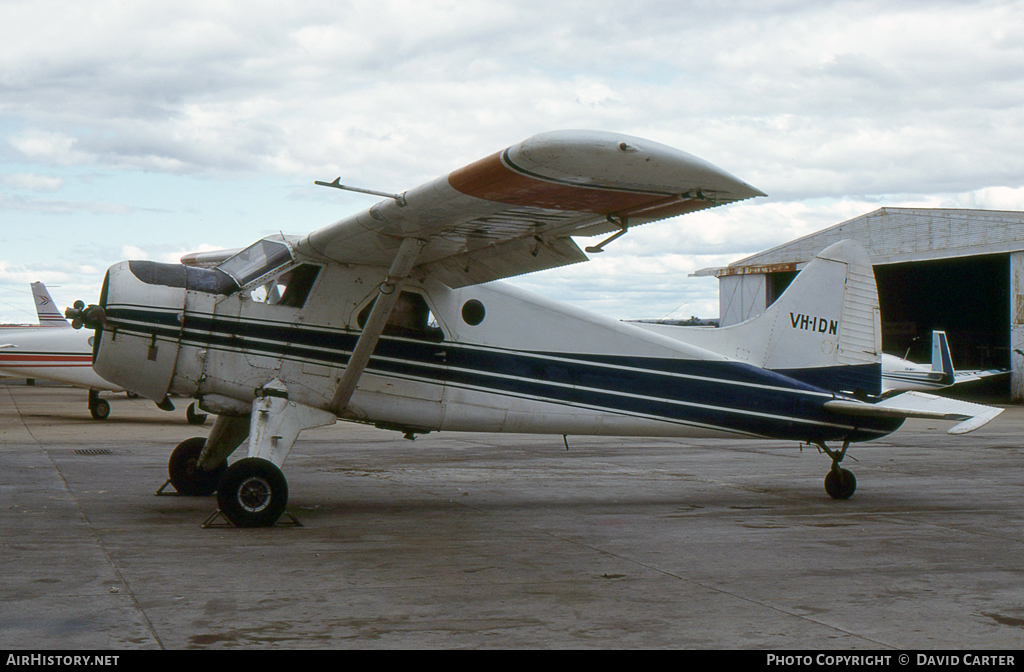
{"points": [[515, 211]]}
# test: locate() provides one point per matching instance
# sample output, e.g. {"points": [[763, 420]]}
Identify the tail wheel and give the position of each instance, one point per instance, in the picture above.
{"points": [[193, 417], [100, 409], [186, 477], [840, 483], [253, 493]]}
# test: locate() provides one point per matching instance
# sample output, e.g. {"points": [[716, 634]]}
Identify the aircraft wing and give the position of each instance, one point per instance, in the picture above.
{"points": [[921, 405], [208, 259], [515, 211]]}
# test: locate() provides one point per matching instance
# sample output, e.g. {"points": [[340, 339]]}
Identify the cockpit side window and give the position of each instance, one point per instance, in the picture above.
{"points": [[297, 284], [258, 259], [289, 289], [410, 318]]}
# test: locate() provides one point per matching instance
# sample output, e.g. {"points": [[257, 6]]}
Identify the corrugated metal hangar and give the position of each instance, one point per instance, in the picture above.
{"points": [[961, 271]]}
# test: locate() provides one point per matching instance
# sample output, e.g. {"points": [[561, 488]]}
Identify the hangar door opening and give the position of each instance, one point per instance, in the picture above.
{"points": [[967, 297]]}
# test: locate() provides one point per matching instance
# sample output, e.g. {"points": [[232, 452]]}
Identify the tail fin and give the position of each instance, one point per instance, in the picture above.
{"points": [[49, 314], [942, 361], [825, 329]]}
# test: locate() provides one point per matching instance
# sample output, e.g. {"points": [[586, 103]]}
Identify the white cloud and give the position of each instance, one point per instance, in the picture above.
{"points": [[54, 148], [133, 252], [32, 182]]}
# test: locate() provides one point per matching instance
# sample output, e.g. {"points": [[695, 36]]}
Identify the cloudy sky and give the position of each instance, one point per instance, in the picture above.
{"points": [[150, 129]]}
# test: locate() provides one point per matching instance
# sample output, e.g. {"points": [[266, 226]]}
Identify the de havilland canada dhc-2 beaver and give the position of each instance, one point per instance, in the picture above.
{"points": [[393, 317]]}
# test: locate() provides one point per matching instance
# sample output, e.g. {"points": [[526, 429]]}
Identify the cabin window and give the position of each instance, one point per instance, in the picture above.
{"points": [[473, 312], [411, 318]]}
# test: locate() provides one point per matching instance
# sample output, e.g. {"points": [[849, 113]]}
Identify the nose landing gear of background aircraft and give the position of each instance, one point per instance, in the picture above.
{"points": [[98, 408], [193, 417], [839, 483]]}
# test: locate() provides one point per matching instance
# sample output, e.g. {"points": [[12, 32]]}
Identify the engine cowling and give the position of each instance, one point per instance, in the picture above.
{"points": [[138, 337]]}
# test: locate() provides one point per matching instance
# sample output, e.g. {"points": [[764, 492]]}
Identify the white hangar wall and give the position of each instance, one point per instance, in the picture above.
{"points": [[972, 257]]}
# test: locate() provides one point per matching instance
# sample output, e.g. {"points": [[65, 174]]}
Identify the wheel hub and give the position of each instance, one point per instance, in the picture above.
{"points": [[254, 494]]}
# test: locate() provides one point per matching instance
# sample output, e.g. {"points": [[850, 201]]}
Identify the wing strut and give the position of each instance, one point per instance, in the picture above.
{"points": [[387, 296]]}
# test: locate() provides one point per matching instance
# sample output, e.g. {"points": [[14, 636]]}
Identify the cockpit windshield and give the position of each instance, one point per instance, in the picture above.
{"points": [[256, 260]]}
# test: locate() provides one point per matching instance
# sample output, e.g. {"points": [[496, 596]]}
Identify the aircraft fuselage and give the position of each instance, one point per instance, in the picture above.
{"points": [[489, 358]]}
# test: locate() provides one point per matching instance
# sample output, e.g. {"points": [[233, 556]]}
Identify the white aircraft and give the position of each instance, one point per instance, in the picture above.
{"points": [[53, 351], [49, 352], [900, 375], [392, 317]]}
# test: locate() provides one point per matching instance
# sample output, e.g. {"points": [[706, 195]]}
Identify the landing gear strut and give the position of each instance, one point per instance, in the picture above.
{"points": [[839, 483]]}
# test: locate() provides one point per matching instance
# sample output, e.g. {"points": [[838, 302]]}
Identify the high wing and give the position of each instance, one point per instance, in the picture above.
{"points": [[515, 211]]}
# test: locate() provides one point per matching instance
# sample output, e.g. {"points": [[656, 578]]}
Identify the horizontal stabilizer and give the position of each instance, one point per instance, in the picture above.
{"points": [[920, 405], [968, 376]]}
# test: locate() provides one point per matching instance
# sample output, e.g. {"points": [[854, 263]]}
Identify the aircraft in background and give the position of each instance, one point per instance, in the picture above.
{"points": [[47, 311], [392, 317], [900, 375], [56, 352]]}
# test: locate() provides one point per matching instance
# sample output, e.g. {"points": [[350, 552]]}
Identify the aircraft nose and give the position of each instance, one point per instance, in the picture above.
{"points": [[139, 331]]}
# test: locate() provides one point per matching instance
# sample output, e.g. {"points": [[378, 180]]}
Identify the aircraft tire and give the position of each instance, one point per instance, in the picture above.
{"points": [[840, 484], [100, 410], [193, 417], [253, 493], [185, 477]]}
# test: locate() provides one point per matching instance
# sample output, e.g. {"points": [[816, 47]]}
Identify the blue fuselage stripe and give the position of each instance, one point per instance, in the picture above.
{"points": [[726, 394]]}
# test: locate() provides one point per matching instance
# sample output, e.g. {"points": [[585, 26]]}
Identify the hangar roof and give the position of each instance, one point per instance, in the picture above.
{"points": [[896, 235]]}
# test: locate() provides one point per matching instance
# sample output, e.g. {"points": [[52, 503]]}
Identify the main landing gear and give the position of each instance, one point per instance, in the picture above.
{"points": [[253, 493], [186, 477], [839, 483]]}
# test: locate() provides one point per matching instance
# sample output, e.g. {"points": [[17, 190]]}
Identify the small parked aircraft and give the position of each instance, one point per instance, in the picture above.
{"points": [[392, 317], [900, 375], [53, 351], [50, 352]]}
